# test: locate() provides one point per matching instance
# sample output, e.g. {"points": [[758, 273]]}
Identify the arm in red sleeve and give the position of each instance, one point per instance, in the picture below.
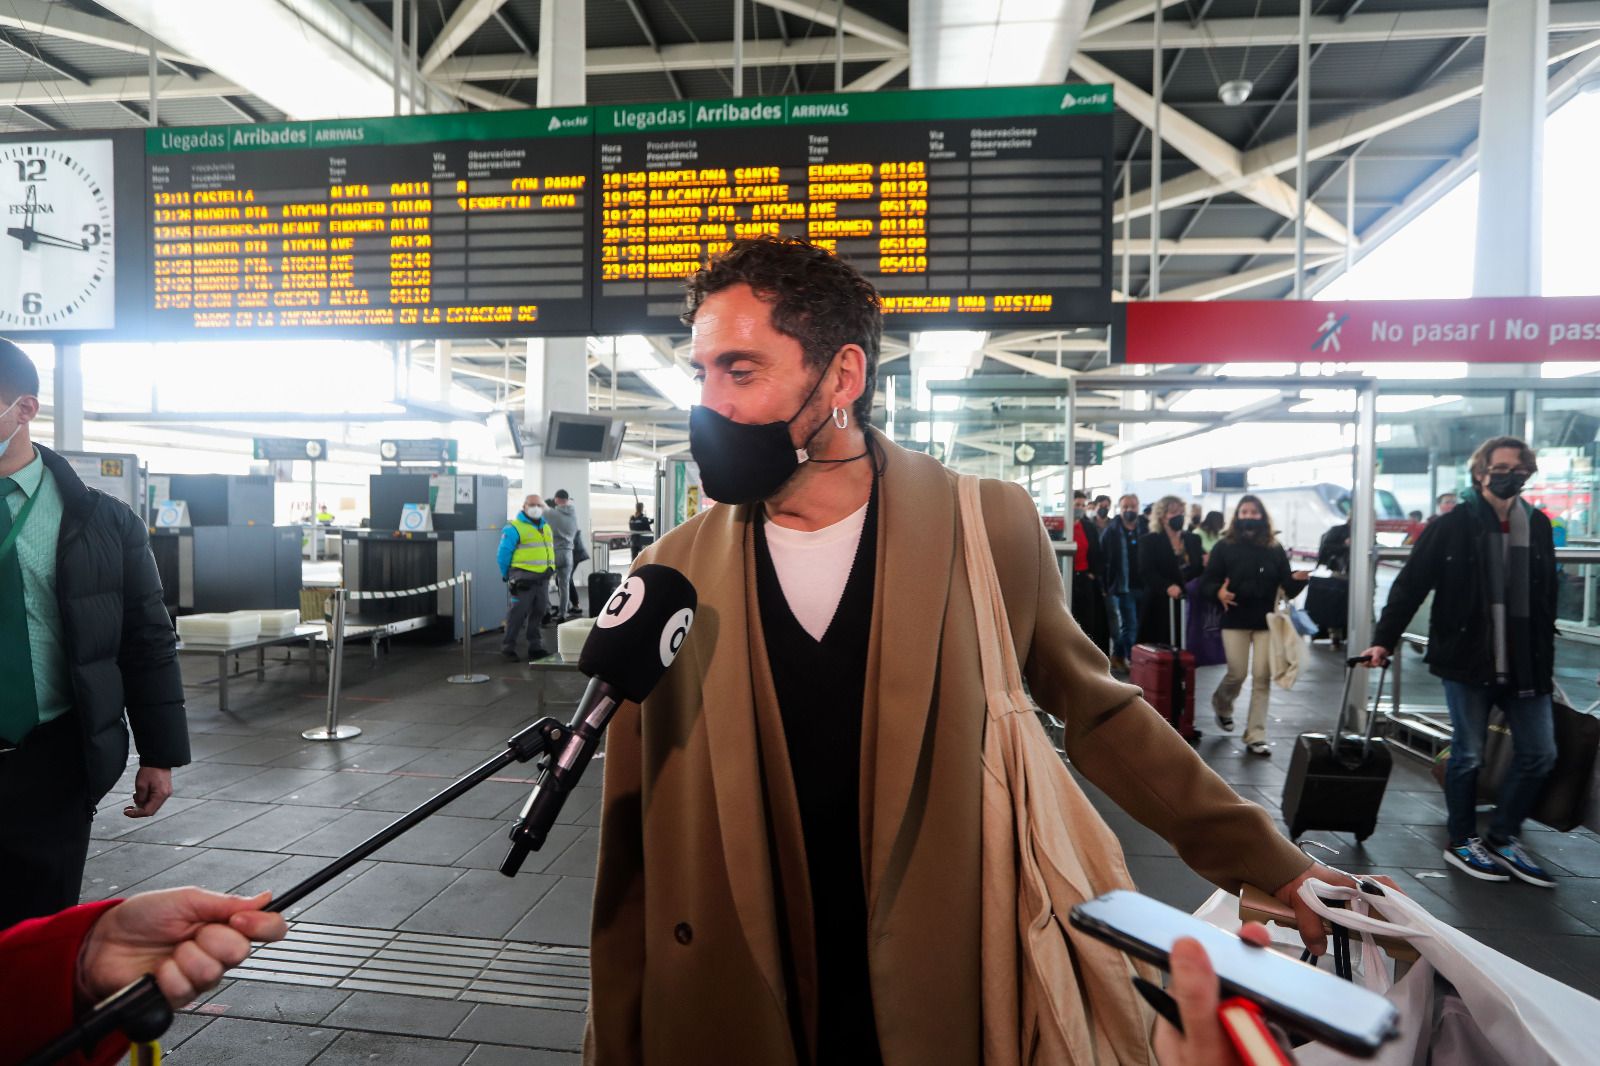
{"points": [[39, 966]]}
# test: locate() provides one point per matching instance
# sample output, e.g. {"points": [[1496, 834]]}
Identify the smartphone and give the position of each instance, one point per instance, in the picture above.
{"points": [[1298, 997]]}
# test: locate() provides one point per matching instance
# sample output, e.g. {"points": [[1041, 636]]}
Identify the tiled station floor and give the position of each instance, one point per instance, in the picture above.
{"points": [[426, 954]]}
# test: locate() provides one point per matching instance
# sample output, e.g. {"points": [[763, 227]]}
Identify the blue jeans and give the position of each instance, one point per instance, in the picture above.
{"points": [[1125, 624], [1533, 747]]}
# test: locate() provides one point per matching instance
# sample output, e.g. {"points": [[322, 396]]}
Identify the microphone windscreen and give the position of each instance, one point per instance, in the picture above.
{"points": [[640, 630]]}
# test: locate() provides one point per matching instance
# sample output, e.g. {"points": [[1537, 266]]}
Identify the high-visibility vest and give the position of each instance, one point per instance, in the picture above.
{"points": [[535, 549]]}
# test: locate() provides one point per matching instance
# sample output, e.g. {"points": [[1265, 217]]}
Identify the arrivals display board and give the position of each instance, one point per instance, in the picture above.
{"points": [[966, 208], [436, 225]]}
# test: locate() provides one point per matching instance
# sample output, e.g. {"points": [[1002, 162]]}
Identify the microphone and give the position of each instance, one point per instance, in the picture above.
{"points": [[635, 638]]}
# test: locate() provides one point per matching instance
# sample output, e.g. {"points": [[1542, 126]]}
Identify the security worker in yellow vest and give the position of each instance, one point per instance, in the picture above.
{"points": [[527, 558]]}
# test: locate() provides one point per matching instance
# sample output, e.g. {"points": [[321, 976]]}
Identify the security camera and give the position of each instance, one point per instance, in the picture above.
{"points": [[1235, 92]]}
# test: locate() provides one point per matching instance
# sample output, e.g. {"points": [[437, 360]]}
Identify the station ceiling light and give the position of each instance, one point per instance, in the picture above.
{"points": [[1235, 92]]}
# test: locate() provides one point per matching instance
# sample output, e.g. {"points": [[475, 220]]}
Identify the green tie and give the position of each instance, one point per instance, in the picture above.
{"points": [[19, 704]]}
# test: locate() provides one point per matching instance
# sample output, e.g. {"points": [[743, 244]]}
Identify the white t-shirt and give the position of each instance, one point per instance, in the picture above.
{"points": [[813, 568]]}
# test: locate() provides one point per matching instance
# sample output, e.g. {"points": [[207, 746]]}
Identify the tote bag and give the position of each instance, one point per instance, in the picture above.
{"points": [[1052, 995]]}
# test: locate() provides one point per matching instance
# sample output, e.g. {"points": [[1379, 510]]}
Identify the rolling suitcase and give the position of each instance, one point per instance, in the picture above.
{"points": [[1336, 780], [602, 583], [1166, 674]]}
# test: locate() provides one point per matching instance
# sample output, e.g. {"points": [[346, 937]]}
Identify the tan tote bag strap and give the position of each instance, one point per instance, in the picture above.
{"points": [[1002, 677]]}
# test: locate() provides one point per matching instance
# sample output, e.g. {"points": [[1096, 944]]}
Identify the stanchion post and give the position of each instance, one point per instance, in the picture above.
{"points": [[466, 677], [333, 730]]}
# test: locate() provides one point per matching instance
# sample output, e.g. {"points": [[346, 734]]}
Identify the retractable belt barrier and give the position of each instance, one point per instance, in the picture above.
{"points": [[337, 603]]}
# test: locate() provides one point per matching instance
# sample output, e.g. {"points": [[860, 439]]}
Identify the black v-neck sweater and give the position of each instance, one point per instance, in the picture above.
{"points": [[820, 687]]}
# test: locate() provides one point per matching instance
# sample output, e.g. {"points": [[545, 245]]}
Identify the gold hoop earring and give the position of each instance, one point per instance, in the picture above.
{"points": [[840, 418]]}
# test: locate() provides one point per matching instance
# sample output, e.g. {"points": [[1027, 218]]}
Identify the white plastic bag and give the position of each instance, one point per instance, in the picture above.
{"points": [[1283, 647], [1525, 1017]]}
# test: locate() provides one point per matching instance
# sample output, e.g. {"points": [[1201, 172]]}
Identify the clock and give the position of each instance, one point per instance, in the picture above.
{"points": [[58, 250], [1024, 453]]}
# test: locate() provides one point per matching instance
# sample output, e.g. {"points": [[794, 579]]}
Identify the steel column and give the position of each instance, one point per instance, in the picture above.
{"points": [[1158, 89], [1511, 149], [738, 47], [1363, 541], [1302, 122], [68, 406]]}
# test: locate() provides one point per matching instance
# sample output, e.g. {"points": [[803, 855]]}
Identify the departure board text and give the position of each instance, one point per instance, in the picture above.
{"points": [[440, 237], [961, 215]]}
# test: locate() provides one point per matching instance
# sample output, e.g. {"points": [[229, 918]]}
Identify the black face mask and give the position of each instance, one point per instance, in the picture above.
{"points": [[1175, 523], [1130, 516], [1104, 513], [1250, 526], [1507, 486], [741, 463]]}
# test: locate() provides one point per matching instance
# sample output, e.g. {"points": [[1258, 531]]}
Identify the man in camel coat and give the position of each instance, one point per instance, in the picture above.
{"points": [[789, 849]]}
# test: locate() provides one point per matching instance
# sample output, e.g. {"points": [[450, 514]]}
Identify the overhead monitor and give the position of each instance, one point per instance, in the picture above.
{"points": [[1236, 480], [583, 436], [506, 429]]}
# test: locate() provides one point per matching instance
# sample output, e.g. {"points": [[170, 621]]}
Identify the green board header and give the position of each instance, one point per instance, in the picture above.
{"points": [[925, 105], [361, 132]]}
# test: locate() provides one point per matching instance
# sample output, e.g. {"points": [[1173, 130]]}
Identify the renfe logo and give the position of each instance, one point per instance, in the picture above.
{"points": [[623, 604]]}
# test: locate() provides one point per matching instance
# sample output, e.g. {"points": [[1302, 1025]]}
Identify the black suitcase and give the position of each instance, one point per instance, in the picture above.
{"points": [[1336, 780], [602, 583], [1328, 601]]}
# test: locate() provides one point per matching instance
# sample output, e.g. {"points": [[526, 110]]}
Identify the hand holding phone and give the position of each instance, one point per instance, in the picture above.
{"points": [[1296, 996], [1197, 1027]]}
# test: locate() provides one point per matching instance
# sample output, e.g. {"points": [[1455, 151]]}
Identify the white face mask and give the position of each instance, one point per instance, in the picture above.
{"points": [[6, 444], [533, 513]]}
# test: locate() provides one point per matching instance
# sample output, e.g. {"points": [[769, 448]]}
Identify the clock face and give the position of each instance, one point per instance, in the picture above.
{"points": [[57, 253]]}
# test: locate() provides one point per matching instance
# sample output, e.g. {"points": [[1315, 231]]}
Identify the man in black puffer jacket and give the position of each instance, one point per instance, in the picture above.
{"points": [[84, 641]]}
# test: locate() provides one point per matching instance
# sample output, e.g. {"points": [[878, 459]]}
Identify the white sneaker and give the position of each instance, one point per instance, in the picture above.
{"points": [[1259, 747]]}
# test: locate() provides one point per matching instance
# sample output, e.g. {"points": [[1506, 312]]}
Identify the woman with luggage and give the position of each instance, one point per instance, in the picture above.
{"points": [[1246, 573], [1169, 558]]}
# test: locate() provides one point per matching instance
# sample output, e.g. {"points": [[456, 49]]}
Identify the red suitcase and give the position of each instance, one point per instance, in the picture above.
{"points": [[1166, 674]]}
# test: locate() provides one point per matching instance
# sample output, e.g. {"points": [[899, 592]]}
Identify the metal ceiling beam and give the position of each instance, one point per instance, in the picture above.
{"points": [[1122, 13], [115, 90], [59, 20], [272, 44], [1227, 285], [1563, 86], [1278, 157], [478, 96], [649, 32], [238, 108], [880, 75], [515, 34], [34, 116], [38, 56], [856, 24], [958, 43], [1221, 164], [1027, 364], [1365, 28], [642, 59], [462, 24]]}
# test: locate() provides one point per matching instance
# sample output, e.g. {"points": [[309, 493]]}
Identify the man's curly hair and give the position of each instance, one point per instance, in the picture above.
{"points": [[817, 298]]}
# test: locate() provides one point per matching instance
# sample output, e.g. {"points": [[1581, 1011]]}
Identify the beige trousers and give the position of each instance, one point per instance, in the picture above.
{"points": [[1239, 644]]}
